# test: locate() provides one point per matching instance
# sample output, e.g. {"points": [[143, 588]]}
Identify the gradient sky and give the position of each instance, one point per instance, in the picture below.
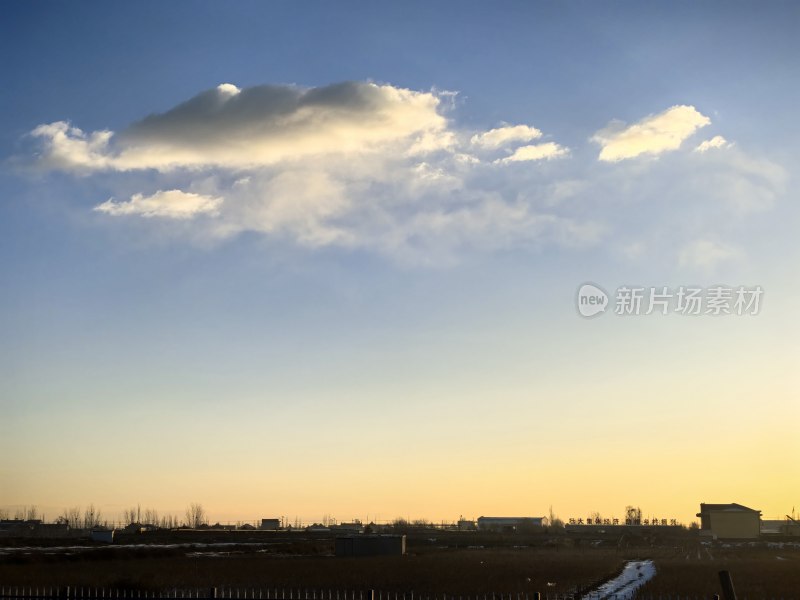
{"points": [[353, 292]]}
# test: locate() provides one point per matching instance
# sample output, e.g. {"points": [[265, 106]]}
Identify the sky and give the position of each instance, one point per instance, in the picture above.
{"points": [[307, 259]]}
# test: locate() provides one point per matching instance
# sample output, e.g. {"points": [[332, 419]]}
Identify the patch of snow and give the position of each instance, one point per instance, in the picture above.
{"points": [[634, 575]]}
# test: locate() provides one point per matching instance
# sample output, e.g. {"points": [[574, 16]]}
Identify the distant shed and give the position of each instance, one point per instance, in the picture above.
{"points": [[103, 535], [270, 524], [371, 545]]}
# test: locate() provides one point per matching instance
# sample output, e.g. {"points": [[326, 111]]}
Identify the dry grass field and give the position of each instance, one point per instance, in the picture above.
{"points": [[757, 572], [685, 569], [458, 572]]}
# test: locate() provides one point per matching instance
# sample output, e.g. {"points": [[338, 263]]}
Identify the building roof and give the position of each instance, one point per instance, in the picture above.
{"points": [[732, 507]]}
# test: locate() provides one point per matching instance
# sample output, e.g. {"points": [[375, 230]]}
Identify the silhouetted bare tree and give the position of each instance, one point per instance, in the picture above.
{"points": [[91, 517], [151, 517], [27, 513], [72, 517], [169, 522], [195, 515], [553, 521]]}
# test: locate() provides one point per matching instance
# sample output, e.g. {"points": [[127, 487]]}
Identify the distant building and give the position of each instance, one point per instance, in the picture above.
{"points": [[787, 526], [103, 535], [32, 528], [729, 521], [466, 525], [270, 524], [509, 524], [354, 527], [371, 545]]}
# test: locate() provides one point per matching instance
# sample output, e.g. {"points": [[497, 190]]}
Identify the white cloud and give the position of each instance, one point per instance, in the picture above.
{"points": [[228, 89], [439, 235], [379, 168], [264, 125], [706, 254], [354, 165], [70, 149], [172, 204], [716, 142], [654, 134], [546, 151], [496, 138]]}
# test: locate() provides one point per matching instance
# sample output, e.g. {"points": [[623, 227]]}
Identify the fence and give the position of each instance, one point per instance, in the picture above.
{"points": [[252, 593]]}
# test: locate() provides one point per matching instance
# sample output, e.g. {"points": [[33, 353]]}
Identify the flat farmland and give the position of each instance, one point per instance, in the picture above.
{"points": [[757, 572], [429, 571], [683, 568]]}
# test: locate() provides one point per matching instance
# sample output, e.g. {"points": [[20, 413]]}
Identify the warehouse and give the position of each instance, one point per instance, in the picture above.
{"points": [[509, 524], [729, 521]]}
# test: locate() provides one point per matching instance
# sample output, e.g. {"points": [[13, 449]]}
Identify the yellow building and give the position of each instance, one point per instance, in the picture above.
{"points": [[729, 521]]}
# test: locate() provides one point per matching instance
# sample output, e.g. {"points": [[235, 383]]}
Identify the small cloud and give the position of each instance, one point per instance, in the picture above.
{"points": [[171, 204], [496, 138], [654, 134], [69, 148], [228, 89], [716, 142], [706, 254], [546, 151]]}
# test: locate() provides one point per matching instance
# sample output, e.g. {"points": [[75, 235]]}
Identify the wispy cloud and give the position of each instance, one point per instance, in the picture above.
{"points": [[706, 254], [652, 135], [544, 151], [172, 204]]}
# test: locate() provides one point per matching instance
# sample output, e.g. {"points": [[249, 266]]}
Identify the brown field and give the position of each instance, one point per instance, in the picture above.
{"points": [[457, 571], [684, 568], [756, 572]]}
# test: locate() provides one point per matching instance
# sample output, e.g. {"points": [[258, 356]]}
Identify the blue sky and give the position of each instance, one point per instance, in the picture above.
{"points": [[387, 291]]}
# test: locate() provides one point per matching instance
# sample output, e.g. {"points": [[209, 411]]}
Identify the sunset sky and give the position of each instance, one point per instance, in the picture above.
{"points": [[298, 259]]}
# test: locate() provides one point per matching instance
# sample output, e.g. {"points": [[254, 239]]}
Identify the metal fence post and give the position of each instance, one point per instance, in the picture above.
{"points": [[727, 585]]}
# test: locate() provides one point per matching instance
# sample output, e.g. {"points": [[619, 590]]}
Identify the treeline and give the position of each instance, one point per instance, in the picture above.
{"points": [[89, 517], [24, 513]]}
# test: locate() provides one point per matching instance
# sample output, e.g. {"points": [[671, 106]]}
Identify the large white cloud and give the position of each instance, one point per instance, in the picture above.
{"points": [[381, 168], [653, 135], [263, 125]]}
